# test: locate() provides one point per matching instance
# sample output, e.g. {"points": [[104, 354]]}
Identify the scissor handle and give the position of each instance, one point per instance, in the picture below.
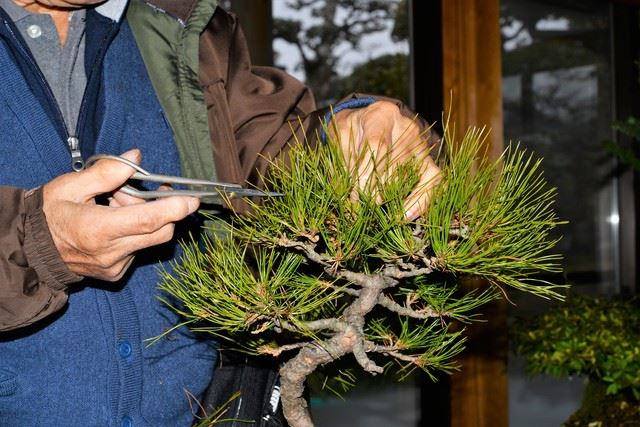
{"points": [[93, 159], [144, 175]]}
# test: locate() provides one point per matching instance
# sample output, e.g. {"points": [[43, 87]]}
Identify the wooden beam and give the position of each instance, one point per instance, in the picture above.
{"points": [[479, 391], [472, 66], [472, 82]]}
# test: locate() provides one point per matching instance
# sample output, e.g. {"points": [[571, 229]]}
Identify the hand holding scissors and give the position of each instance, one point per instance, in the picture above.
{"points": [[100, 241]]}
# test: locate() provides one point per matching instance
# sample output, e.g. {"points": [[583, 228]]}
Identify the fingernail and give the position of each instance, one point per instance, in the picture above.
{"points": [[411, 214], [193, 204], [134, 155]]}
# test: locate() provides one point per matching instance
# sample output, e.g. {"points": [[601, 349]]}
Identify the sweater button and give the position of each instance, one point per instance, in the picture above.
{"points": [[124, 348], [126, 422], [34, 31]]}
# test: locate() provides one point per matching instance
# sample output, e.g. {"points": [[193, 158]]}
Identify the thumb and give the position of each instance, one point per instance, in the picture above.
{"points": [[133, 155], [107, 175]]}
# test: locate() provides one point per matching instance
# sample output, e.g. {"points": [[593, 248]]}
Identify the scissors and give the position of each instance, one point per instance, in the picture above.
{"points": [[218, 188]]}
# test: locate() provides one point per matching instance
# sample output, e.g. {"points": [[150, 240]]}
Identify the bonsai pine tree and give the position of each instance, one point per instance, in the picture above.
{"points": [[333, 269]]}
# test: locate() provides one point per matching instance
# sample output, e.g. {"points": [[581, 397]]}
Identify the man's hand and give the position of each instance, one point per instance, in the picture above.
{"points": [[100, 241], [380, 130]]}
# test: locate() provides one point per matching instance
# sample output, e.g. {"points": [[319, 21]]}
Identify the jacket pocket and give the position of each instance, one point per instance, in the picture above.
{"points": [[8, 382]]}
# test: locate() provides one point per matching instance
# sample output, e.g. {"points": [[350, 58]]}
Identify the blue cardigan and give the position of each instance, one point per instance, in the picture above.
{"points": [[89, 365]]}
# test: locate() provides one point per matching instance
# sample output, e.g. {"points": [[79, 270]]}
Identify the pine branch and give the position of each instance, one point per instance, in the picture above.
{"points": [[314, 325], [360, 353], [308, 249], [277, 351], [425, 313], [394, 272], [309, 268]]}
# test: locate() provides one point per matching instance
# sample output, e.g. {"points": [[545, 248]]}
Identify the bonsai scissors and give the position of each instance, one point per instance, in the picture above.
{"points": [[215, 188]]}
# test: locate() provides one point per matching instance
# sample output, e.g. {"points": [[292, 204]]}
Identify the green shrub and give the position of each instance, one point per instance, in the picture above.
{"points": [[597, 337]]}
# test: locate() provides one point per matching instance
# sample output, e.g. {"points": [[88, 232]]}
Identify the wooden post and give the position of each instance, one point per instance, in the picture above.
{"points": [[472, 81], [472, 74]]}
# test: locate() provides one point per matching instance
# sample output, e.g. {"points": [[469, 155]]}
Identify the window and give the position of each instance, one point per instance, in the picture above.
{"points": [[558, 102]]}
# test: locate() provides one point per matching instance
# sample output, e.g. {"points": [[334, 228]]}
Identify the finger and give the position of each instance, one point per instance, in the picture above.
{"points": [[131, 244], [393, 132], [148, 217], [121, 199], [126, 263], [105, 176], [351, 147], [374, 165], [363, 168], [379, 118], [406, 142], [133, 155], [417, 202], [407, 148], [115, 272], [348, 135]]}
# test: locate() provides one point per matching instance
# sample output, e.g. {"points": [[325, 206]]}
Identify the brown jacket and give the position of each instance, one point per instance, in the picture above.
{"points": [[251, 114]]}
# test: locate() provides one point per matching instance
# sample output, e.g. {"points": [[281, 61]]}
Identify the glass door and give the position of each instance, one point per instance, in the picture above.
{"points": [[558, 100]]}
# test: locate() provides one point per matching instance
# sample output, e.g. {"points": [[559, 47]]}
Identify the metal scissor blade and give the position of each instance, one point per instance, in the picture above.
{"points": [[230, 190], [170, 179], [233, 192]]}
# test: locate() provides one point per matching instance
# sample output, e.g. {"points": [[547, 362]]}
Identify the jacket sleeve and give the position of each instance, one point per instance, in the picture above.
{"points": [[255, 112], [33, 277], [252, 110]]}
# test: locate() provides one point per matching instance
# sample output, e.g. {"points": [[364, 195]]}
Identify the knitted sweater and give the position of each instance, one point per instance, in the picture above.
{"points": [[88, 365]]}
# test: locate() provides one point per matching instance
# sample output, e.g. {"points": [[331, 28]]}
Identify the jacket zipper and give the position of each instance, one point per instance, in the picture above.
{"points": [[77, 163], [73, 141]]}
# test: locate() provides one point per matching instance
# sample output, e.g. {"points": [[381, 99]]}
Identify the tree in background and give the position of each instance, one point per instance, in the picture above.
{"points": [[334, 24], [387, 74], [400, 30]]}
